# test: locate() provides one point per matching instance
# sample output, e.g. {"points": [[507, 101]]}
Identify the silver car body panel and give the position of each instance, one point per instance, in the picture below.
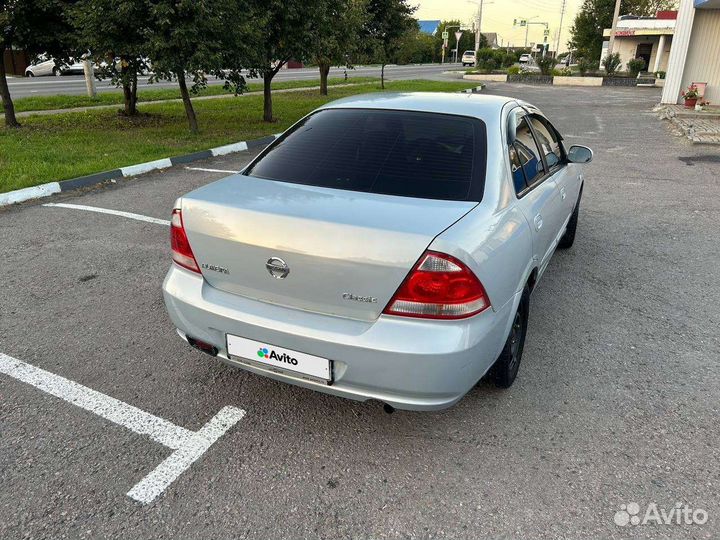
{"points": [[333, 241], [332, 237]]}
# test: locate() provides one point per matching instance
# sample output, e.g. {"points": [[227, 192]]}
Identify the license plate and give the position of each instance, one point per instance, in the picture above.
{"points": [[279, 358]]}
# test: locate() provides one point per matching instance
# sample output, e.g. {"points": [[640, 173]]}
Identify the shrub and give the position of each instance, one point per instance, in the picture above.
{"points": [[564, 72], [635, 66], [489, 59], [513, 70], [546, 64], [660, 74], [611, 63], [584, 65]]}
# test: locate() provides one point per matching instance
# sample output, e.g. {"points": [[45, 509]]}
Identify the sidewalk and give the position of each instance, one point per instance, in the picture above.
{"points": [[177, 100], [701, 127]]}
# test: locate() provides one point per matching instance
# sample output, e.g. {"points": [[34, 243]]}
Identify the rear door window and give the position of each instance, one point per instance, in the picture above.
{"points": [[528, 153], [548, 141], [411, 154]]}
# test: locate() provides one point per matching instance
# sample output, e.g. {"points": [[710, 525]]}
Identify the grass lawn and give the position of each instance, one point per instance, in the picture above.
{"points": [[46, 103], [68, 145]]}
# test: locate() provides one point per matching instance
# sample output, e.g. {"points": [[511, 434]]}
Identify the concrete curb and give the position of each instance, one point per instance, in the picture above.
{"points": [[51, 188]]}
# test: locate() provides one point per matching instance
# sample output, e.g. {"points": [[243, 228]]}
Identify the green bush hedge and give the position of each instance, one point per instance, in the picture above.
{"points": [[489, 59]]}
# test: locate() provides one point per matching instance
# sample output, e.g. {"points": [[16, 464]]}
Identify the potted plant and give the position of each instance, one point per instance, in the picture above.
{"points": [[690, 96]]}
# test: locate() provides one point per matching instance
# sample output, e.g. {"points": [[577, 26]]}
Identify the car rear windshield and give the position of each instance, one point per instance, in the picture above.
{"points": [[411, 154]]}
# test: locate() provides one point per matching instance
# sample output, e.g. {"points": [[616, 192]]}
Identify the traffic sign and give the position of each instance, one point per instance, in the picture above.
{"points": [[445, 35], [458, 35]]}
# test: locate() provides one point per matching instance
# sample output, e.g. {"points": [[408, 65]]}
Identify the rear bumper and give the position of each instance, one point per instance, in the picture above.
{"points": [[407, 363]]}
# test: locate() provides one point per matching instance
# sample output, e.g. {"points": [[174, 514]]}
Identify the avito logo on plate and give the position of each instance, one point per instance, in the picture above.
{"points": [[272, 355]]}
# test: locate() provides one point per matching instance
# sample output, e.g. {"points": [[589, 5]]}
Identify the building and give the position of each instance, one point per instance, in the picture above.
{"points": [[649, 38], [429, 27], [492, 39], [695, 55]]}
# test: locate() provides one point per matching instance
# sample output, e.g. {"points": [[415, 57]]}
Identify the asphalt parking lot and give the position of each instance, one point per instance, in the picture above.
{"points": [[617, 400]]}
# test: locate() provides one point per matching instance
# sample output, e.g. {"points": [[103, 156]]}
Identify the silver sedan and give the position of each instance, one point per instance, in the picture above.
{"points": [[384, 247]]}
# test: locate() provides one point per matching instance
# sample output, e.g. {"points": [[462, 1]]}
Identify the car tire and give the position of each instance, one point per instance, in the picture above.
{"points": [[506, 367], [29, 74], [57, 72], [567, 239]]}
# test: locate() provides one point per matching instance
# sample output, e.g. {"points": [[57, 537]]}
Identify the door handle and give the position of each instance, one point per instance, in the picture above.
{"points": [[538, 222], [562, 193]]}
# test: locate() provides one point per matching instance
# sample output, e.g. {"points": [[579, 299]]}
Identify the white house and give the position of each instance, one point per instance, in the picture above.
{"points": [[648, 38]]}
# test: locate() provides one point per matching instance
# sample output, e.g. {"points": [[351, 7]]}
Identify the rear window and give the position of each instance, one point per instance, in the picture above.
{"points": [[411, 154]]}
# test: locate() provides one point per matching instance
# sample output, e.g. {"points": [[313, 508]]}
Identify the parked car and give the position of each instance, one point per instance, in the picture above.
{"points": [[468, 58], [47, 66], [525, 59], [385, 247]]}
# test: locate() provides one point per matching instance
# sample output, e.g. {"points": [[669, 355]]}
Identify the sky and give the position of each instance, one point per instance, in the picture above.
{"points": [[498, 17]]}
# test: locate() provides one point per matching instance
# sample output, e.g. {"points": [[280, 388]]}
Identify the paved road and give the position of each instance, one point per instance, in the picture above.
{"points": [[75, 84], [617, 399]]}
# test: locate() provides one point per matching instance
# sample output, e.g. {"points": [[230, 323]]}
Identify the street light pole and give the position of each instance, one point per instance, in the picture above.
{"points": [[478, 30], [562, 14]]}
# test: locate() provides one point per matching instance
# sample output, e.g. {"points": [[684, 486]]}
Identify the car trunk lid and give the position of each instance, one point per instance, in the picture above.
{"points": [[347, 252]]}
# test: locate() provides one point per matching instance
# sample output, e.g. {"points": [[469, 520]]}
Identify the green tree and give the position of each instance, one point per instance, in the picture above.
{"points": [[116, 33], [387, 23], [196, 39], [415, 47], [37, 26], [467, 40], [286, 30], [337, 36]]}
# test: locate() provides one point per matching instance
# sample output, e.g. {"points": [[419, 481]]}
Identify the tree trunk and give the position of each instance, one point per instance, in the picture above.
{"points": [[129, 92], [324, 71], [267, 96], [10, 120], [382, 77], [189, 111], [133, 92], [128, 104]]}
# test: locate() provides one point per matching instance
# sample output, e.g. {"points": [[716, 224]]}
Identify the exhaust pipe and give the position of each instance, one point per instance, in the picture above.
{"points": [[203, 346]]}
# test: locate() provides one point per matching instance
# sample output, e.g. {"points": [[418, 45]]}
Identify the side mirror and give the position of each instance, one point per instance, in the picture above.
{"points": [[579, 154]]}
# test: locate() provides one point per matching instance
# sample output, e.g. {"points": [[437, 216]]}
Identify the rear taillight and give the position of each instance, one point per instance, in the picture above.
{"points": [[181, 252], [439, 287]]}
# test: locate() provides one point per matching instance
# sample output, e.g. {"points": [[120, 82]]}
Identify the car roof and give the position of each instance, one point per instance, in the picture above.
{"points": [[476, 105]]}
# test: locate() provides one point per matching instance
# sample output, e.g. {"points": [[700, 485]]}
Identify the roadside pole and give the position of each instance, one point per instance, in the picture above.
{"points": [[89, 76], [616, 14], [445, 36]]}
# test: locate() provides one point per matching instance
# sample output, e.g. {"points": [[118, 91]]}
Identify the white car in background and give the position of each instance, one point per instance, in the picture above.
{"points": [[468, 58], [46, 66]]}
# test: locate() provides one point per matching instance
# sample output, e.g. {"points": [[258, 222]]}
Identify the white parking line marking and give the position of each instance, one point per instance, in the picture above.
{"points": [[210, 170], [109, 408], [164, 474], [188, 445], [120, 213]]}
